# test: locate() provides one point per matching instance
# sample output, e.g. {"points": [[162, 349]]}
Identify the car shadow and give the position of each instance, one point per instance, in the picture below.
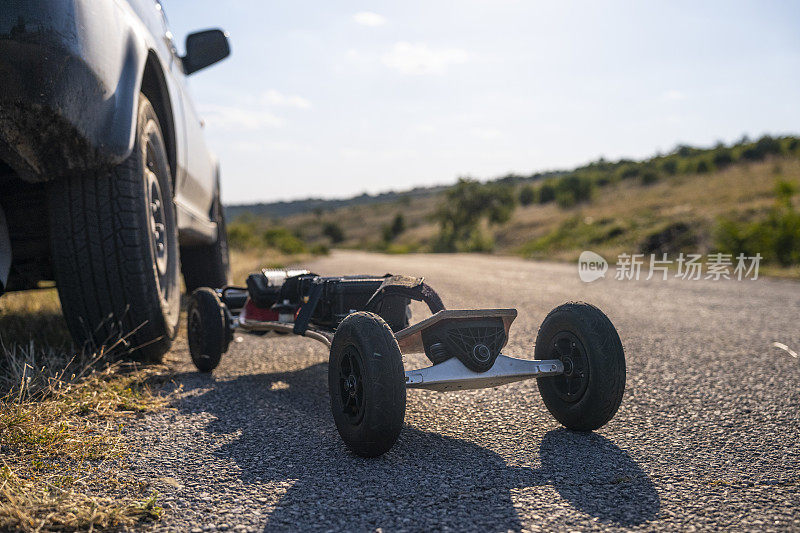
{"points": [[285, 434]]}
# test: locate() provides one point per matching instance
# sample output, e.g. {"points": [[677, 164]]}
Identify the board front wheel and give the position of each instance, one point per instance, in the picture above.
{"points": [[366, 381], [587, 395]]}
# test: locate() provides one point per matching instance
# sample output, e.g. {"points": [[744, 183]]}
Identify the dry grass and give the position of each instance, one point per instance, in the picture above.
{"points": [[246, 262], [62, 454], [62, 411]]}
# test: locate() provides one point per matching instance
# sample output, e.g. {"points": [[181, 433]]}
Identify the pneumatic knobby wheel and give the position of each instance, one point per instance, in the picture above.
{"points": [[366, 381], [206, 329], [589, 392]]}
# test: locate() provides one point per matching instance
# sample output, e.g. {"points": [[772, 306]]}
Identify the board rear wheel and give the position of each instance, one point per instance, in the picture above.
{"points": [[207, 329]]}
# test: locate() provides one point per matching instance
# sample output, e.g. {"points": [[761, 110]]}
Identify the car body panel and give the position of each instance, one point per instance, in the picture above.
{"points": [[72, 72]]}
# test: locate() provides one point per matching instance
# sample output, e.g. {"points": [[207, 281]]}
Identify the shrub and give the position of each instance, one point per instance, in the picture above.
{"points": [[628, 171], [333, 231], [398, 226], [242, 236], [648, 177], [669, 166], [465, 205], [284, 240], [703, 166], [784, 190], [776, 237], [527, 195], [547, 192], [765, 146], [573, 189], [752, 154], [320, 249], [768, 145], [722, 157]]}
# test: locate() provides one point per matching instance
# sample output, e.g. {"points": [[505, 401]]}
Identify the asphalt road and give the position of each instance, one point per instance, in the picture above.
{"points": [[708, 434]]}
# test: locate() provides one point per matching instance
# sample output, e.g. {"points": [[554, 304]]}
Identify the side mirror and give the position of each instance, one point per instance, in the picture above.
{"points": [[204, 48]]}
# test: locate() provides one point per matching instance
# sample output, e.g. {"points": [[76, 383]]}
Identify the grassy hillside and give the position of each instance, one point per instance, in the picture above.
{"points": [[727, 198]]}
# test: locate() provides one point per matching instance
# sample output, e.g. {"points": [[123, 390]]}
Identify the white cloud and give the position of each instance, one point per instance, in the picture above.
{"points": [[252, 113], [673, 95], [275, 98], [368, 18], [233, 118], [419, 58]]}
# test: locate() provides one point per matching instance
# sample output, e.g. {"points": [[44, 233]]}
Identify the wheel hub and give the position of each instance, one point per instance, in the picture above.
{"points": [[158, 235], [572, 384], [351, 387], [351, 384]]}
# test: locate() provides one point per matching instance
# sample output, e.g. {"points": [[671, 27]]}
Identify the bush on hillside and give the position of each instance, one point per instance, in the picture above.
{"points": [[547, 192], [703, 166], [283, 240], [464, 207], [648, 177], [765, 146], [776, 237], [722, 157], [628, 171], [393, 230], [527, 195], [243, 236], [573, 189], [333, 231]]}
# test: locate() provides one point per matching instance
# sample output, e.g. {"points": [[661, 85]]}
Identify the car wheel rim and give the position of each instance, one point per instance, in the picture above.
{"points": [[571, 385], [158, 229], [351, 385]]}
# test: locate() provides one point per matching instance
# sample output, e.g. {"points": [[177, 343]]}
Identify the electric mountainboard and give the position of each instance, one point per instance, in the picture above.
{"points": [[364, 320]]}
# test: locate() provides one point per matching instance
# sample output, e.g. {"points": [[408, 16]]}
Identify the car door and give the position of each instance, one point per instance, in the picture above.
{"points": [[195, 185]]}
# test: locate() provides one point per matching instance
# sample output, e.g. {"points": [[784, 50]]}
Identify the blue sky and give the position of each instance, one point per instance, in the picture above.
{"points": [[335, 98]]}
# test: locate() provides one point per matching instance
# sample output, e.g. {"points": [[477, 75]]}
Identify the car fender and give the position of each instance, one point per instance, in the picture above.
{"points": [[72, 73]]}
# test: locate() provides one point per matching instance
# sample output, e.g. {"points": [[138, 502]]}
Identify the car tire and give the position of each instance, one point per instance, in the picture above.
{"points": [[590, 391], [366, 382], [208, 265], [115, 249]]}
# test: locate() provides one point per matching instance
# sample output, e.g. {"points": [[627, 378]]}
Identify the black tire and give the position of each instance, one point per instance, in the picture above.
{"points": [[115, 249], [208, 265], [206, 329], [366, 359], [590, 391]]}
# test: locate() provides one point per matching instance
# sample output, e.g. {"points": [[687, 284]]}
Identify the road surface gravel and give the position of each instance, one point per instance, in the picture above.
{"points": [[707, 437]]}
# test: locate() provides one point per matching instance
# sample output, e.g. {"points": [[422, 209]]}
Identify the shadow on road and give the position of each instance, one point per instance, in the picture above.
{"points": [[426, 480]]}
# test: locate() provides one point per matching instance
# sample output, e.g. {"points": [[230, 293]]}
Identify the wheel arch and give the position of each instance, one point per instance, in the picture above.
{"points": [[154, 87]]}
